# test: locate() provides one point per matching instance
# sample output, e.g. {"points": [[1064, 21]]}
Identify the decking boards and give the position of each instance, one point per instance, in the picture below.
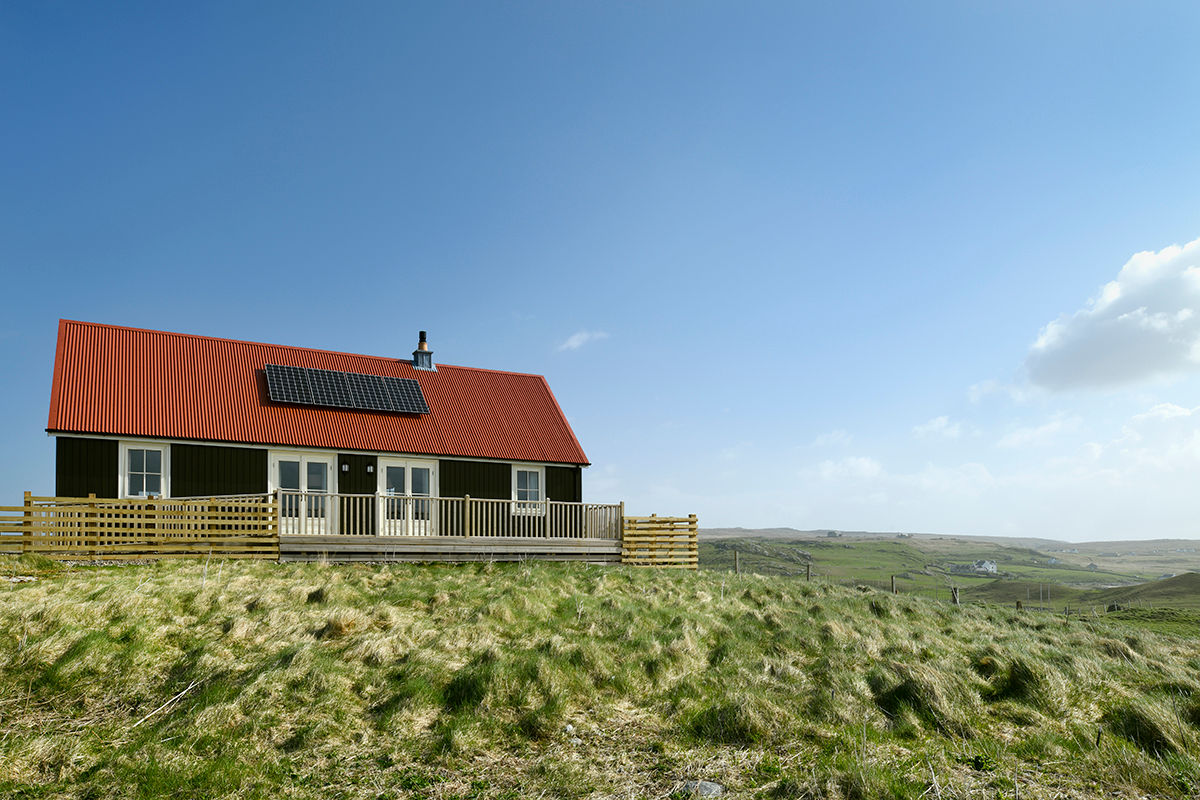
{"points": [[447, 548]]}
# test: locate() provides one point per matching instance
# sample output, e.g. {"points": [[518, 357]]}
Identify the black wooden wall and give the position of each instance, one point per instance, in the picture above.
{"points": [[85, 466], [200, 470], [353, 478], [565, 483], [483, 479], [493, 480]]}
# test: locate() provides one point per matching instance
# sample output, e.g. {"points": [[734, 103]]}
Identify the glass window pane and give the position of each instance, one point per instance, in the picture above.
{"points": [[316, 476], [153, 484], [420, 481], [395, 480], [522, 479], [533, 482], [135, 485], [137, 461], [289, 475], [154, 461]]}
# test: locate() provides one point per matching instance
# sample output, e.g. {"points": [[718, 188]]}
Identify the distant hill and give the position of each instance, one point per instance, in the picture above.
{"points": [[1181, 591]]}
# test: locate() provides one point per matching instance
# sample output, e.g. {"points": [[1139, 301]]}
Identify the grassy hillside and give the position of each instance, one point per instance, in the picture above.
{"points": [[246, 680], [920, 565]]}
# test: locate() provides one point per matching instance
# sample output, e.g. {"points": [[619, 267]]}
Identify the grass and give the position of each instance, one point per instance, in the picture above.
{"points": [[402, 681]]}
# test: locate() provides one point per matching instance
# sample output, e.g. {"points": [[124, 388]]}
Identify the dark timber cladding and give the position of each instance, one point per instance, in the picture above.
{"points": [[85, 466], [199, 470], [564, 483], [482, 479], [354, 478], [492, 480]]}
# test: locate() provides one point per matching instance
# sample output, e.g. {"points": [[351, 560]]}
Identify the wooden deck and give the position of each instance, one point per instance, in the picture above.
{"points": [[310, 547], [330, 527]]}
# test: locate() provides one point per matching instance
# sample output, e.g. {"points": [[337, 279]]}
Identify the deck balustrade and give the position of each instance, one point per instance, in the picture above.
{"points": [[326, 514]]}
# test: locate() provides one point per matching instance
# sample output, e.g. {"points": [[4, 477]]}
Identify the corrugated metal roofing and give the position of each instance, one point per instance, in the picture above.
{"points": [[131, 382]]}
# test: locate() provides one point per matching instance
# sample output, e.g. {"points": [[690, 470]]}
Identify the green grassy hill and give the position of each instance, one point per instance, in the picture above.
{"points": [[923, 566], [248, 680]]}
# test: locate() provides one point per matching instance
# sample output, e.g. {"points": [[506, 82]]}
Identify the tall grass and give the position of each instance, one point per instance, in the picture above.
{"points": [[267, 680]]}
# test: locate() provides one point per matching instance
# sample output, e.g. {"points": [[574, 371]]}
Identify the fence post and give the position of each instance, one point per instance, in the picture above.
{"points": [[808, 571], [621, 523], [893, 584], [26, 541], [466, 515], [737, 566], [954, 595], [90, 521], [549, 530]]}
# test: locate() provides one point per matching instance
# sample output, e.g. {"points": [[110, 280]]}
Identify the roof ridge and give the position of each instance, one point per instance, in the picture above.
{"points": [[287, 347]]}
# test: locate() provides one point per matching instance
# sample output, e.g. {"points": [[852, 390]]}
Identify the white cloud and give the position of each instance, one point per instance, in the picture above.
{"points": [[1165, 411], [1039, 434], [850, 467], [939, 426], [838, 437], [978, 391], [1142, 325], [580, 338]]}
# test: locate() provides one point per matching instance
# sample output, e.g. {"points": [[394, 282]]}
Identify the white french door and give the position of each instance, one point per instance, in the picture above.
{"points": [[405, 491], [304, 483]]}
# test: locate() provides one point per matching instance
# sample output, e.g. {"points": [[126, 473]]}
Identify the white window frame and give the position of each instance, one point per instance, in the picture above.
{"points": [[328, 521], [123, 449], [275, 456], [522, 507], [408, 525]]}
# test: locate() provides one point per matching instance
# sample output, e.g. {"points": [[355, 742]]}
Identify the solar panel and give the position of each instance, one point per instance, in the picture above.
{"points": [[326, 387], [406, 396], [329, 388], [369, 392], [288, 384]]}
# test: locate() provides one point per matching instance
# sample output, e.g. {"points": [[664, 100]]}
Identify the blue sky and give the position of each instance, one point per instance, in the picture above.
{"points": [[822, 265]]}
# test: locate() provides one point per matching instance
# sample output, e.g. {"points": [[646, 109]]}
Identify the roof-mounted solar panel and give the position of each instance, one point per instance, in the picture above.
{"points": [[288, 384], [369, 392], [329, 388], [333, 389], [406, 396]]}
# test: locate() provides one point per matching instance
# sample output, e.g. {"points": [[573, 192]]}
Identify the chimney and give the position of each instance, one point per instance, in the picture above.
{"points": [[423, 356]]}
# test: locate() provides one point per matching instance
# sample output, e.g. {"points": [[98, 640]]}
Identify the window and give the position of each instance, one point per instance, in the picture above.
{"points": [[406, 487], [143, 470], [528, 489], [303, 481]]}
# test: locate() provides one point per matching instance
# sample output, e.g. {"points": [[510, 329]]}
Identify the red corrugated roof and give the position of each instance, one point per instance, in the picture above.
{"points": [[131, 382]]}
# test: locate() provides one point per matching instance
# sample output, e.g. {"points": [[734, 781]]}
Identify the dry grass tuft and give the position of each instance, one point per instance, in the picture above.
{"points": [[438, 681]]}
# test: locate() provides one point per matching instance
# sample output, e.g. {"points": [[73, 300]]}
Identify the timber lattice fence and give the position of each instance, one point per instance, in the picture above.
{"points": [[95, 529], [656, 541]]}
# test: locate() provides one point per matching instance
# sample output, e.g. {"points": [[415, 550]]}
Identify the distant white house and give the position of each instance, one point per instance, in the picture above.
{"points": [[988, 567]]}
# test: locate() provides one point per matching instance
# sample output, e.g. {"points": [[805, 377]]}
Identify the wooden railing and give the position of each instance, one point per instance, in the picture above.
{"points": [[88, 528], [311, 513], [661, 542]]}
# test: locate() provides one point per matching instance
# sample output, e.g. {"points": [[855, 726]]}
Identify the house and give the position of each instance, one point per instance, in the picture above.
{"points": [[350, 444], [985, 566]]}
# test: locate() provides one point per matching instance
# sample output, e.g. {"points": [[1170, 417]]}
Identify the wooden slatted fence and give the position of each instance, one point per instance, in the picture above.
{"points": [[87, 528], [660, 542]]}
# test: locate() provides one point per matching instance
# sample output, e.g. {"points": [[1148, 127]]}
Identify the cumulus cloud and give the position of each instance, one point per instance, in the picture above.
{"points": [[852, 467], [833, 438], [976, 392], [1039, 434], [939, 426], [1144, 324], [580, 338]]}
